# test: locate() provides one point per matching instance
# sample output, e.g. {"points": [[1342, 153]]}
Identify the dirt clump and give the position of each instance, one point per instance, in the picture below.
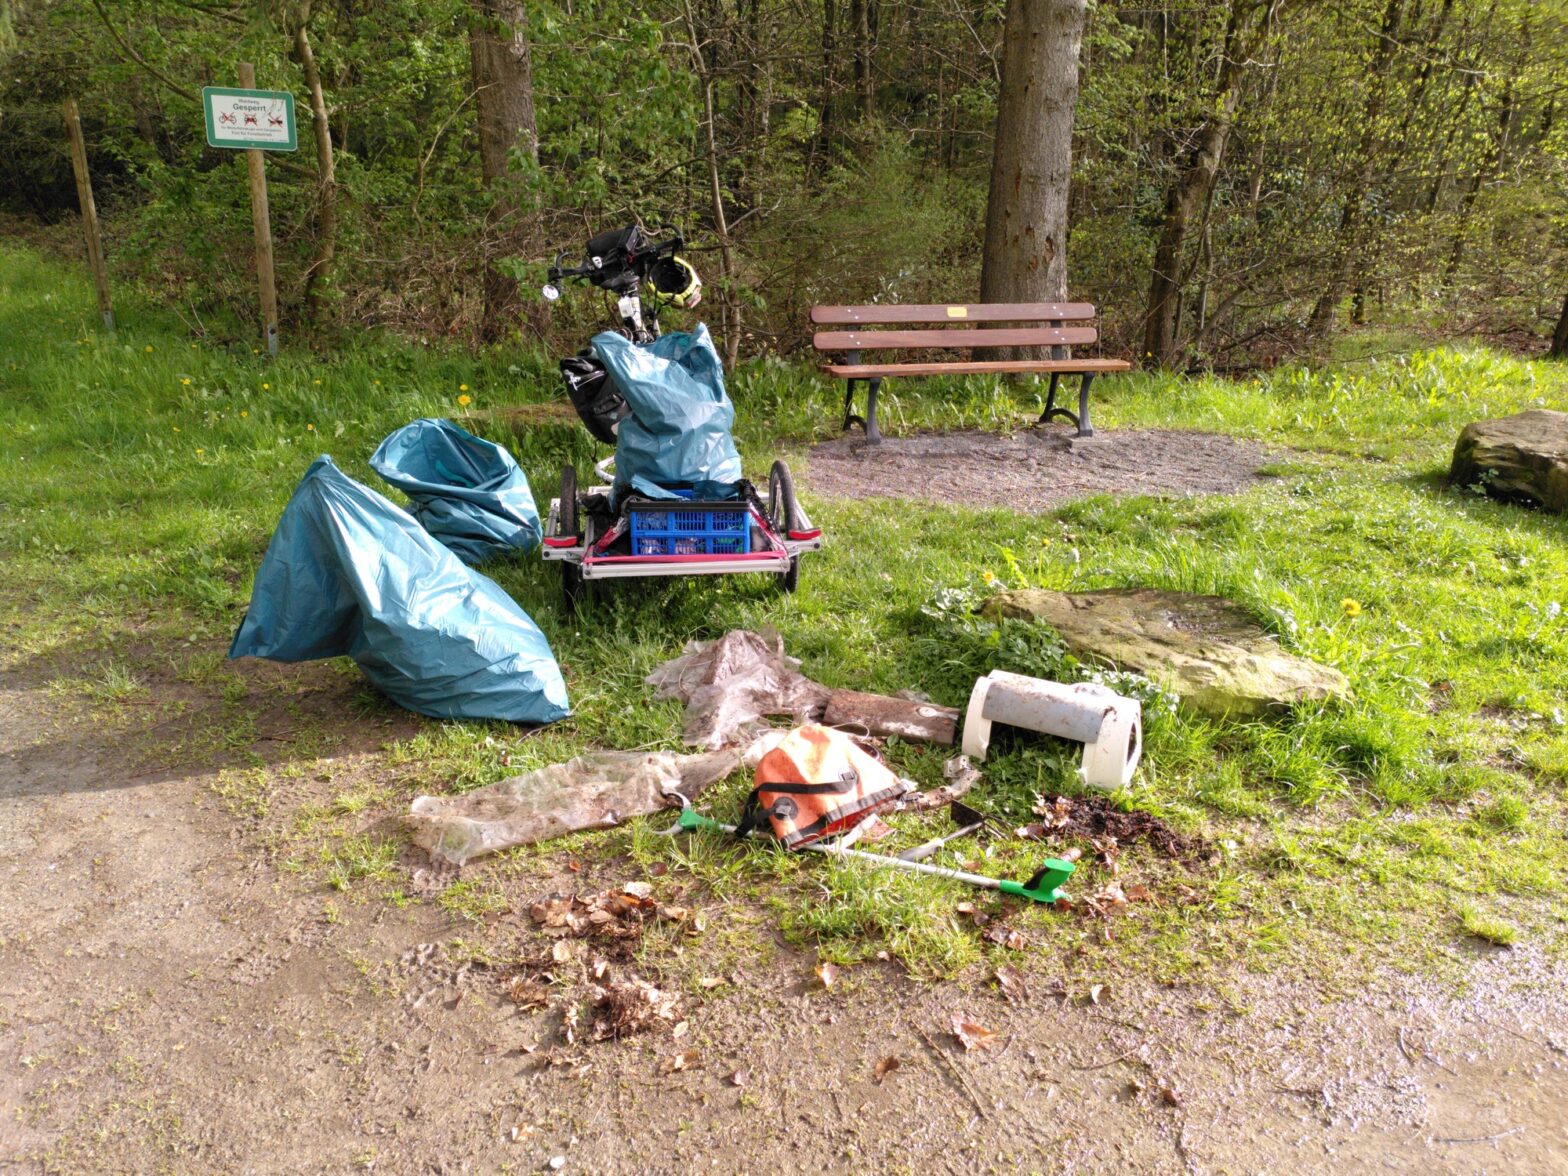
{"points": [[1097, 820], [1034, 470]]}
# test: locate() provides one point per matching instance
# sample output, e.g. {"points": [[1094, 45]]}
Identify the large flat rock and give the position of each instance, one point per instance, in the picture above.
{"points": [[1205, 648], [1519, 458]]}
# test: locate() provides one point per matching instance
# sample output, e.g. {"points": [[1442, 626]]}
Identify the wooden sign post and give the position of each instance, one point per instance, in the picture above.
{"points": [[254, 121], [84, 196]]}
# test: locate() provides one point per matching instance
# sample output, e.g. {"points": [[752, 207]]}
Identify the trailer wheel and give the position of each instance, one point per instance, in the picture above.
{"points": [[566, 524], [782, 513]]}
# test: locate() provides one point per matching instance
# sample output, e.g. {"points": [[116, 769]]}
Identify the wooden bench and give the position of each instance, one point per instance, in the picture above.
{"points": [[948, 328]]}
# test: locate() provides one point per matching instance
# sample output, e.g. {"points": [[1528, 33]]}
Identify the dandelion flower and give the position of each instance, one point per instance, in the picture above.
{"points": [[199, 452], [1352, 607], [310, 428], [988, 576], [193, 346], [185, 380], [243, 414], [315, 381], [148, 349], [266, 387], [375, 381], [176, 428], [465, 399], [462, 387]]}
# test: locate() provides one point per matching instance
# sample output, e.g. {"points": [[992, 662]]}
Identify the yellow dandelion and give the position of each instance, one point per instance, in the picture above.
{"points": [[255, 350], [265, 387], [199, 452], [176, 428], [465, 399], [375, 381], [310, 428], [315, 381], [1352, 607], [243, 414], [148, 349], [193, 346], [462, 387], [988, 576], [185, 380]]}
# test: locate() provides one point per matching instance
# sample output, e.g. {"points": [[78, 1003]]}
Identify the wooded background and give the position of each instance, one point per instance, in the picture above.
{"points": [[1246, 175]]}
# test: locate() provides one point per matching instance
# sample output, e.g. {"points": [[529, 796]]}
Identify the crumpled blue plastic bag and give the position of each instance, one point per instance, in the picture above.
{"points": [[679, 429], [466, 491], [347, 572]]}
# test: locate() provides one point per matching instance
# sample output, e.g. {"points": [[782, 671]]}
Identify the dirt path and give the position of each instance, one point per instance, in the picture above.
{"points": [[172, 998], [1033, 469]]}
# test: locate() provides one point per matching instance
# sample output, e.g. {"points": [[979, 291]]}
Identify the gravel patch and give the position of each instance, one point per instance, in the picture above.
{"points": [[1034, 469]]}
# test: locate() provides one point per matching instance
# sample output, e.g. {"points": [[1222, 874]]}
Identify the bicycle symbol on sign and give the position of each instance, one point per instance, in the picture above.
{"points": [[226, 118]]}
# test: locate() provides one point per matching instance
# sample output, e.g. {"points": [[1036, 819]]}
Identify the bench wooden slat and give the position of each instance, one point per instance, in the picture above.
{"points": [[953, 337], [996, 312], [862, 371]]}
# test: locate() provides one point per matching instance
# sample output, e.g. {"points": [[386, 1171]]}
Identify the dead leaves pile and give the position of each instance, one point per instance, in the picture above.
{"points": [[598, 999], [619, 913]]}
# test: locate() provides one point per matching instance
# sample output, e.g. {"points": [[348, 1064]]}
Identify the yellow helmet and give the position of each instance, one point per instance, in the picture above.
{"points": [[673, 280]]}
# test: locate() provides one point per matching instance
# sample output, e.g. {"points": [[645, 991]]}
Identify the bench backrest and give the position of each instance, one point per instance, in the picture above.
{"points": [[952, 326]]}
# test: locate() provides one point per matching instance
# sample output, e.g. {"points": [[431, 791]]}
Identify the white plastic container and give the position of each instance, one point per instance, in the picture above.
{"points": [[1109, 726]]}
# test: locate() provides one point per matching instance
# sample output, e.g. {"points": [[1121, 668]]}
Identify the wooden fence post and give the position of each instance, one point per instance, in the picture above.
{"points": [[261, 219], [84, 196]]}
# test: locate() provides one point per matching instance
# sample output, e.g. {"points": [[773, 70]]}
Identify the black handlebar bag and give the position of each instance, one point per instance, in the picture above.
{"points": [[613, 257]]}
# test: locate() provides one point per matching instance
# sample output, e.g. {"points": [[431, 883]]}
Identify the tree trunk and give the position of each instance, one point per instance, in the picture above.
{"points": [[320, 272], [729, 304], [502, 66], [1188, 195], [822, 145], [1347, 240], [1559, 349], [1025, 256]]}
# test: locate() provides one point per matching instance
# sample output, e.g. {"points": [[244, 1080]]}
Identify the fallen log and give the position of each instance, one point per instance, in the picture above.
{"points": [[881, 715]]}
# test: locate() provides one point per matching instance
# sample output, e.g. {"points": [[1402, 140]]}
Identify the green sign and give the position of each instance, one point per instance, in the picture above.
{"points": [[246, 119]]}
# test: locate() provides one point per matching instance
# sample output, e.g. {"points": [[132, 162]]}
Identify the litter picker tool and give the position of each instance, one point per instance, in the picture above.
{"points": [[966, 818], [1044, 886]]}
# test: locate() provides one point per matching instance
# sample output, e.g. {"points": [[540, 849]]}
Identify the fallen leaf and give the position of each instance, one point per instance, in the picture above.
{"points": [[681, 1061], [681, 1029], [675, 914], [658, 869], [638, 890], [1071, 855], [560, 951], [971, 1034], [711, 981], [1012, 983], [1138, 892], [826, 973], [966, 908], [527, 994], [883, 1068], [1170, 1096], [1098, 994], [740, 1077], [575, 866]]}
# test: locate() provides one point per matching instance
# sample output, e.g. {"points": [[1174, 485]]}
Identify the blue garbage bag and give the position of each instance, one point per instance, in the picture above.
{"points": [[347, 572], [466, 491], [679, 428]]}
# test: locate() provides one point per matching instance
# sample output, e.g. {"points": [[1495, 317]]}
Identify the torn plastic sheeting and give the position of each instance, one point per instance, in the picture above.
{"points": [[594, 791], [468, 492], [348, 572], [729, 684], [679, 428]]}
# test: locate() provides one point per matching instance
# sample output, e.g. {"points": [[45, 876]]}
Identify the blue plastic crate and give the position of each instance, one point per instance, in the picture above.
{"points": [[698, 530]]}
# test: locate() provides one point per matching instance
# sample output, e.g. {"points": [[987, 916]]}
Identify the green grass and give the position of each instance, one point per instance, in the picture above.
{"points": [[143, 473]]}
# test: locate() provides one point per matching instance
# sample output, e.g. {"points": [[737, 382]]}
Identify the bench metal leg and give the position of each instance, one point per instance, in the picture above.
{"points": [[1052, 409], [849, 405], [869, 421], [1085, 429]]}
